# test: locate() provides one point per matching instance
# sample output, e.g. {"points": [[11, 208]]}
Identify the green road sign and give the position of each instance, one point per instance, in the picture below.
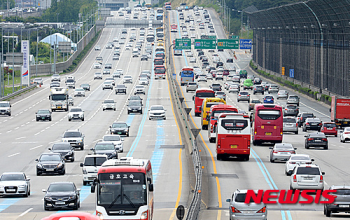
{"points": [[228, 44], [183, 44], [234, 37], [204, 44]]}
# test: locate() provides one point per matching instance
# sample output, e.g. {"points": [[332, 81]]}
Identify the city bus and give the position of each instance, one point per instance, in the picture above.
{"points": [[148, 5], [173, 28], [160, 11], [267, 123], [214, 112], [150, 37], [124, 189], [159, 72], [187, 75], [233, 136], [198, 98], [206, 104]]}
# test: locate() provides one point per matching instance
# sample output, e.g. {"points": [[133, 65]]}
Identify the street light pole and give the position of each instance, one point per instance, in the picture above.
{"points": [[13, 60], [36, 63]]}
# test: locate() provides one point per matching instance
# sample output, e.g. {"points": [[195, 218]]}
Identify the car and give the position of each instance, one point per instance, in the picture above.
{"points": [[99, 60], [97, 66], [106, 72], [189, 54], [127, 79], [121, 88], [135, 98], [157, 111], [281, 152], [307, 176], [38, 81], [75, 113], [293, 99], [144, 57], [109, 104], [107, 85], [273, 88], [14, 184], [252, 104], [116, 140], [74, 137], [116, 75], [144, 81], [50, 163], [105, 148], [296, 159], [248, 84], [290, 124], [120, 71], [61, 195], [292, 110], [116, 57], [317, 139], [219, 63], [257, 81], [55, 78], [109, 46], [216, 87], [312, 124], [202, 77], [341, 200], [120, 128], [219, 76], [97, 76], [79, 92], [205, 64], [110, 79], [220, 94], [43, 114], [234, 88], [191, 86], [97, 48], [329, 128], [209, 76], [243, 96], [55, 84], [282, 94], [229, 60], [85, 86], [134, 106], [258, 89], [65, 149], [90, 167], [139, 89], [238, 209], [303, 116], [269, 99]]}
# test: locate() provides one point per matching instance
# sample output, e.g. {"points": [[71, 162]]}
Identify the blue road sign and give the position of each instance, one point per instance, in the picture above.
{"points": [[291, 73], [198, 44], [245, 44]]}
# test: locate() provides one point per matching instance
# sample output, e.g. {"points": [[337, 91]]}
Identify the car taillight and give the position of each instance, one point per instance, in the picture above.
{"points": [[320, 124], [292, 152], [346, 132], [211, 128], [321, 178], [294, 178], [324, 139], [281, 131], [310, 139], [292, 162], [297, 124], [219, 143], [234, 210], [301, 118], [239, 95], [275, 151], [255, 131], [262, 210], [307, 124], [285, 109]]}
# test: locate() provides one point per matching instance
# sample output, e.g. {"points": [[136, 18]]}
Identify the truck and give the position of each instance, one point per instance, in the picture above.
{"points": [[340, 111], [59, 98]]}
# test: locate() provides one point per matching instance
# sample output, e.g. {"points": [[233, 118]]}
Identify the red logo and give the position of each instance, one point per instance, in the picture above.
{"points": [[290, 197]]}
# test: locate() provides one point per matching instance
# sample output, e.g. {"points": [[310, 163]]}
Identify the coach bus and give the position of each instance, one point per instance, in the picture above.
{"points": [[207, 103], [267, 123], [124, 189], [198, 98], [148, 5], [173, 28]]}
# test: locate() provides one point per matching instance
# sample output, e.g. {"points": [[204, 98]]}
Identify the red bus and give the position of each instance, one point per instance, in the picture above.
{"points": [[167, 3], [124, 189], [159, 71], [267, 123], [173, 28], [214, 112], [72, 215], [198, 98], [233, 136]]}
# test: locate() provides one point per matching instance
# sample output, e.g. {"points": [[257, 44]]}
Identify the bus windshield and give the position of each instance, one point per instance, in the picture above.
{"points": [[205, 94], [269, 114], [122, 190], [187, 73]]}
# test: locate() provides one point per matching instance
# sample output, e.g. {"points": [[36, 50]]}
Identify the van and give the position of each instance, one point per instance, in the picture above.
{"points": [[91, 165], [206, 104], [135, 52], [5, 108]]}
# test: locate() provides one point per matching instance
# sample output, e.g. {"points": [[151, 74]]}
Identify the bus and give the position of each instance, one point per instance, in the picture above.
{"points": [[267, 123], [233, 136], [160, 11], [206, 104], [198, 98], [160, 34], [168, 7], [159, 17], [150, 37], [159, 30], [159, 71], [173, 28], [148, 5], [167, 3], [187, 75], [212, 118], [124, 189]]}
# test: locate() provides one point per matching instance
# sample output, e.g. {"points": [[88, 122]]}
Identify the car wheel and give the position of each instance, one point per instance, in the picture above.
{"points": [[50, 119], [26, 195], [37, 119], [128, 112], [272, 161], [114, 109], [336, 135], [141, 112], [63, 172], [72, 160], [328, 213], [296, 132], [69, 119], [307, 147], [326, 147], [218, 157], [82, 119], [85, 183], [38, 173]]}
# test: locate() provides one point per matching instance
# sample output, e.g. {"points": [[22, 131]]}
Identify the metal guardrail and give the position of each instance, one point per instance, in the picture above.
{"points": [[17, 92]]}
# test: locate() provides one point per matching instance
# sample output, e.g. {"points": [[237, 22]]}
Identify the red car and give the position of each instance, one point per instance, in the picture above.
{"points": [[72, 215], [329, 128]]}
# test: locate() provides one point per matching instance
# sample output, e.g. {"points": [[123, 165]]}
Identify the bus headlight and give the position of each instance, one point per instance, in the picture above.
{"points": [[144, 215], [99, 214]]}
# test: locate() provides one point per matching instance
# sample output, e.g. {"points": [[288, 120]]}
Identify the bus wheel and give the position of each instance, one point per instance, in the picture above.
{"points": [[218, 157], [256, 143], [246, 157]]}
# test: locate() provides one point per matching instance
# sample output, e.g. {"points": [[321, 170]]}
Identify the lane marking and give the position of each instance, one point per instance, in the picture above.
{"points": [[35, 147], [28, 210], [13, 155]]}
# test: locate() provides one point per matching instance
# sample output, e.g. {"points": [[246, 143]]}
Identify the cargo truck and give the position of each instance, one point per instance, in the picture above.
{"points": [[340, 111], [59, 99]]}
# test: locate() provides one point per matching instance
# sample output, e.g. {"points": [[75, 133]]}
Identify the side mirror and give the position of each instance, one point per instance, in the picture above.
{"points": [[78, 190], [92, 149], [270, 148], [149, 109], [28, 179], [323, 173], [49, 148], [228, 200], [43, 190], [193, 98], [150, 187], [81, 164], [305, 136], [312, 160], [37, 160]]}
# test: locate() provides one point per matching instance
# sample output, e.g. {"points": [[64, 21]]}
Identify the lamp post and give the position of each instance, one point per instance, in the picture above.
{"points": [[13, 60], [36, 63]]}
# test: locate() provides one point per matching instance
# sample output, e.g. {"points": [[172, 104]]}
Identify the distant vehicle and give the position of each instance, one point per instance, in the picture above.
{"points": [[329, 128], [243, 96], [187, 75], [65, 149], [105, 148], [43, 114], [290, 124], [157, 111], [121, 88], [269, 99], [134, 106], [120, 128], [109, 104], [295, 160], [98, 76], [50, 163], [293, 99], [85, 86], [312, 124], [340, 111], [76, 113], [281, 152]]}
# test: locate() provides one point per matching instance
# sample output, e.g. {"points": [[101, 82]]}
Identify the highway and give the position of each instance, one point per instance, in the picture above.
{"points": [[23, 140]]}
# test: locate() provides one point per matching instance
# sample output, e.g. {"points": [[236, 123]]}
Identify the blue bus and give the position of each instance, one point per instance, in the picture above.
{"points": [[168, 7], [187, 75]]}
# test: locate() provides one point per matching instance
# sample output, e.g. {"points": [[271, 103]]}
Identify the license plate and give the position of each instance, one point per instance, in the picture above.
{"points": [[284, 152], [317, 140], [60, 203], [268, 133], [49, 170], [345, 122], [233, 146], [343, 206], [59, 107], [329, 128], [308, 178], [42, 117], [134, 110], [11, 190], [119, 132]]}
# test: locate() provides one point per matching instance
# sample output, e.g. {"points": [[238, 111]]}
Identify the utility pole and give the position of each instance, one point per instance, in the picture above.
{"points": [[13, 60], [36, 63]]}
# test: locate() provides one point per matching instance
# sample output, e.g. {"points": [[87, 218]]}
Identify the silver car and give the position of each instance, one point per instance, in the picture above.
{"points": [[202, 78], [290, 124], [282, 94], [234, 88], [281, 152], [273, 88], [108, 104], [107, 85], [127, 79], [240, 210], [14, 183], [117, 141], [243, 96], [307, 176], [191, 86], [293, 99], [345, 135]]}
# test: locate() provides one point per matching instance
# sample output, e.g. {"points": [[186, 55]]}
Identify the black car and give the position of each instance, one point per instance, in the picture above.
{"points": [[216, 87], [62, 195], [54, 84], [120, 128], [312, 124], [257, 81], [65, 149], [291, 110], [50, 163], [144, 57], [229, 60], [210, 69], [120, 89], [318, 139], [43, 114], [303, 116], [135, 97], [258, 89], [219, 64], [85, 86], [200, 53], [106, 148], [134, 106]]}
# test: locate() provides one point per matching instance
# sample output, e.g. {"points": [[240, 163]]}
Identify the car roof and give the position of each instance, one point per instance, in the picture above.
{"points": [[12, 173]]}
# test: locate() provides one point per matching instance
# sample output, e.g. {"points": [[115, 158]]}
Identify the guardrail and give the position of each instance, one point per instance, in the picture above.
{"points": [[17, 92]]}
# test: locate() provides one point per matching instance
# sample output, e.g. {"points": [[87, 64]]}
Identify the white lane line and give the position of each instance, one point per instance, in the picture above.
{"points": [[16, 128], [13, 155], [9, 131], [30, 209], [315, 110], [20, 138], [35, 147]]}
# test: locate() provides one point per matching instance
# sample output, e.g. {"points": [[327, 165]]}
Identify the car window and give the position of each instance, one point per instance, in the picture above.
{"points": [[291, 106], [71, 134], [240, 197], [269, 114], [104, 147], [157, 108], [94, 161], [43, 112], [61, 147], [305, 115], [61, 188], [76, 110], [109, 101], [308, 171], [329, 125], [12, 177], [119, 125], [289, 120], [50, 157]]}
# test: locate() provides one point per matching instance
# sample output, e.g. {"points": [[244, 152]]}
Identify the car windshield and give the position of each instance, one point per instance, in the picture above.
{"points": [[308, 171], [240, 197], [289, 120], [71, 134], [112, 138], [119, 125], [94, 161], [329, 125], [61, 147], [284, 146], [109, 101], [297, 157], [243, 93], [120, 86], [104, 147], [269, 114], [134, 103], [84, 85], [153, 108], [140, 87], [61, 187], [43, 112], [76, 110], [12, 177], [50, 157], [318, 135]]}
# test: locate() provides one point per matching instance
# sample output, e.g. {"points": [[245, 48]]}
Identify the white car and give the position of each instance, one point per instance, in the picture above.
{"points": [[55, 77], [209, 76], [192, 60], [98, 76], [75, 113], [219, 76], [157, 111], [120, 71], [97, 66], [345, 135], [117, 141], [307, 176], [127, 79], [296, 159], [139, 89], [79, 92], [5, 108], [202, 78], [107, 85], [14, 184], [143, 81], [108, 104], [189, 54]]}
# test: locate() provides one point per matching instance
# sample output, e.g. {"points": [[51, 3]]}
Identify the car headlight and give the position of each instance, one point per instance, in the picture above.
{"points": [[70, 152], [39, 165], [2, 187], [60, 165], [48, 198], [129, 108], [125, 129], [22, 186], [72, 197]]}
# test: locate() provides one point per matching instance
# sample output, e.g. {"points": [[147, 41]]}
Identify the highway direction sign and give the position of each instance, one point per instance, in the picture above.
{"points": [[183, 44], [228, 44], [204, 44], [245, 44]]}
